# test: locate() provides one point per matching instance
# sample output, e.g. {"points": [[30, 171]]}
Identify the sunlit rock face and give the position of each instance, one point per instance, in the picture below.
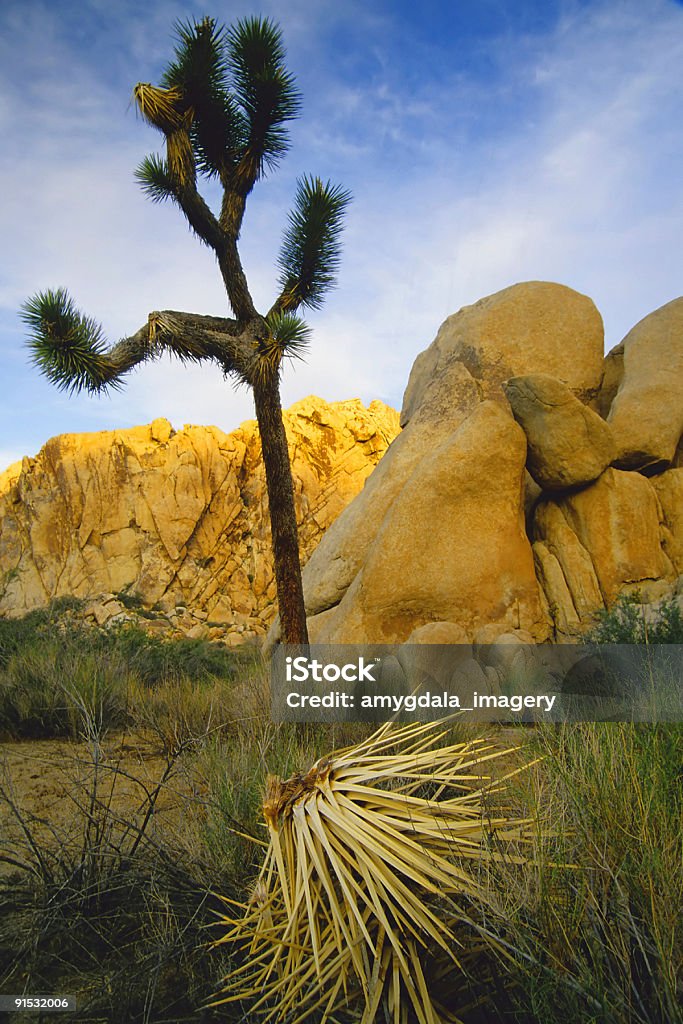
{"points": [[646, 414], [452, 546], [568, 444], [533, 483], [532, 327], [176, 519]]}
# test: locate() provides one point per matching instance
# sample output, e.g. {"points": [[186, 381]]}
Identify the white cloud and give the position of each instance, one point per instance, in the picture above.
{"points": [[564, 166], [588, 195]]}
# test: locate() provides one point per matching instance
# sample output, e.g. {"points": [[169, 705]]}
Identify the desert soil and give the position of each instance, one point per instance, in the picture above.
{"points": [[48, 784]]}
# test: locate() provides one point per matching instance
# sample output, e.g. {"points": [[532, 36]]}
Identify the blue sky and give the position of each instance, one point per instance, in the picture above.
{"points": [[485, 142]]}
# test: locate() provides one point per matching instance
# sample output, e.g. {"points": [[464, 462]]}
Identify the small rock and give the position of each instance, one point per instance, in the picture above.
{"points": [[197, 632]]}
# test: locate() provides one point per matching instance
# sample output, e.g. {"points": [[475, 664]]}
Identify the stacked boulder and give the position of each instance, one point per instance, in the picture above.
{"points": [[534, 481]]}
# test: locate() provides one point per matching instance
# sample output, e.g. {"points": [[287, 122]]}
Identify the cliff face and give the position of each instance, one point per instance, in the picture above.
{"points": [[176, 520]]}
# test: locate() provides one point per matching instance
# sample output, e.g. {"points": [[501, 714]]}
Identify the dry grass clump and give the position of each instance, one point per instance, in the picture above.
{"points": [[369, 887], [602, 943]]}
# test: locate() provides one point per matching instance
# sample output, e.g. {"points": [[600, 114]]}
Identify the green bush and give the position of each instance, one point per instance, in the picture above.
{"points": [[158, 660], [626, 623], [57, 673], [20, 634], [54, 691]]}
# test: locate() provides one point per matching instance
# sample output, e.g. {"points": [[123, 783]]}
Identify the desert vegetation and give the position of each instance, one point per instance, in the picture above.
{"points": [[118, 890], [170, 853], [223, 109]]}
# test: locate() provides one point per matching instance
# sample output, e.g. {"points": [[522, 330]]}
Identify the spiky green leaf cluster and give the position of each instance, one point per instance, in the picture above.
{"points": [[200, 71], [291, 333], [223, 107], [287, 337], [311, 249], [232, 90], [155, 178], [66, 346], [266, 93]]}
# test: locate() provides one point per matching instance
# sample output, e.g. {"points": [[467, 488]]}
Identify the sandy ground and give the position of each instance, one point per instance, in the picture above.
{"points": [[51, 789], [49, 785]]}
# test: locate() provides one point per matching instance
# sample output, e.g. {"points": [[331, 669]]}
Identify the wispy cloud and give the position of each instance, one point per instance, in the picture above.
{"points": [[540, 145]]}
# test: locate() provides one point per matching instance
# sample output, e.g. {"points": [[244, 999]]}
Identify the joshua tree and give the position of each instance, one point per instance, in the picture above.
{"points": [[222, 107]]}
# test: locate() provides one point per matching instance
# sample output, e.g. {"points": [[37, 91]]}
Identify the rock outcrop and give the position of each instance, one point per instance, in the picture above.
{"points": [[535, 481], [618, 522], [534, 327], [451, 546], [176, 519], [334, 564], [669, 489], [597, 543], [646, 415], [450, 538]]}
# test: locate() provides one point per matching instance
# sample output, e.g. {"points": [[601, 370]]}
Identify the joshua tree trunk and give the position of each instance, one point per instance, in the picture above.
{"points": [[280, 487]]}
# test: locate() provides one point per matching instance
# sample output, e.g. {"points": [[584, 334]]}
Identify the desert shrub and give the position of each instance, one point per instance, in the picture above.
{"points": [[50, 666], [627, 623], [45, 689], [157, 659], [118, 909], [182, 709], [26, 631], [233, 765], [104, 906], [370, 901], [233, 769], [18, 634]]}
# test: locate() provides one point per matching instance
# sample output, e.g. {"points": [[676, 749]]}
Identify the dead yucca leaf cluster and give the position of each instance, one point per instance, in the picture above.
{"points": [[369, 887], [166, 110]]}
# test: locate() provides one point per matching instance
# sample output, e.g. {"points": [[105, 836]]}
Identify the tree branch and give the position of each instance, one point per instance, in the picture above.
{"points": [[167, 111], [193, 338], [232, 210], [235, 282], [69, 347], [311, 249], [200, 217]]}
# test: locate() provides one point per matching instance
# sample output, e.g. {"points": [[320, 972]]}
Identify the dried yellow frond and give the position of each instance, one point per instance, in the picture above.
{"points": [[367, 886], [162, 108]]}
